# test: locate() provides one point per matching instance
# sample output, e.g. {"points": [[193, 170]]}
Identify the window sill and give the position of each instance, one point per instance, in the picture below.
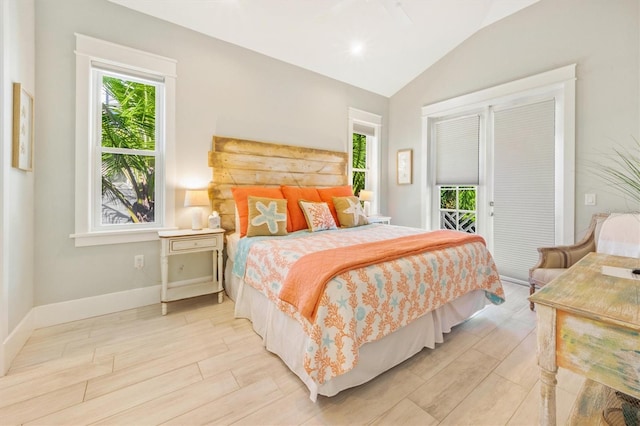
{"points": [[116, 237]]}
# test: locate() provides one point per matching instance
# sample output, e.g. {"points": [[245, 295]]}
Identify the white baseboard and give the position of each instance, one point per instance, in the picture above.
{"points": [[16, 340], [73, 310]]}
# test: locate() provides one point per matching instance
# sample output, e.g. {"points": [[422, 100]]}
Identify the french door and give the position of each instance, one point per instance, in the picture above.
{"points": [[522, 185], [503, 168]]}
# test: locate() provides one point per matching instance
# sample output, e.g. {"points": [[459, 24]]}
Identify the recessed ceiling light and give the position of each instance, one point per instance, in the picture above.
{"points": [[357, 48]]}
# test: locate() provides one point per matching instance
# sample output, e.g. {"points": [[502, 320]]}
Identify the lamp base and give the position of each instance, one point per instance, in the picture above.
{"points": [[366, 207], [196, 219]]}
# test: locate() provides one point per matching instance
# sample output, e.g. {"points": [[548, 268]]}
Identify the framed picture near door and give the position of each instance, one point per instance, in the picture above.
{"points": [[22, 157], [404, 166]]}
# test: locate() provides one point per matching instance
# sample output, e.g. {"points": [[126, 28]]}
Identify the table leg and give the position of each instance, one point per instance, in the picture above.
{"points": [[164, 273], [547, 362], [547, 397], [220, 272]]}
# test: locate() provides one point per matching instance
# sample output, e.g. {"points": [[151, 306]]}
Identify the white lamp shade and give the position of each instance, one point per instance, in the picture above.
{"points": [[366, 195], [196, 197]]}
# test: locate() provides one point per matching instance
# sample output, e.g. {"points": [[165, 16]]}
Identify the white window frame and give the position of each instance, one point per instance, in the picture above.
{"points": [[560, 81], [91, 52], [372, 173]]}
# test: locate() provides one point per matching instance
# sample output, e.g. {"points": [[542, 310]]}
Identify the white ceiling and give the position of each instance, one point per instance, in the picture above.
{"points": [[399, 39]]}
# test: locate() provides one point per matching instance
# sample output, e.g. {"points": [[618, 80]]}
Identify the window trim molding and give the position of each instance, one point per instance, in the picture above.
{"points": [[357, 116], [562, 81], [89, 50]]}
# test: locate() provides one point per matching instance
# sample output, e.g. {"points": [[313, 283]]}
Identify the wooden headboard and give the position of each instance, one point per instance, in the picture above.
{"points": [[237, 162]]}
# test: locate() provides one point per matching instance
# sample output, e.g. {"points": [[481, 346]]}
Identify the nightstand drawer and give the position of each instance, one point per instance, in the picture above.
{"points": [[193, 244]]}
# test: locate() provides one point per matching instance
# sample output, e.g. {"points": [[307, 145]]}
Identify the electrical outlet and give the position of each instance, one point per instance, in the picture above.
{"points": [[138, 261]]}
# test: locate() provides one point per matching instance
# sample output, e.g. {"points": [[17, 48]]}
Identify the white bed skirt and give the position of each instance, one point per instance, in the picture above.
{"points": [[283, 335]]}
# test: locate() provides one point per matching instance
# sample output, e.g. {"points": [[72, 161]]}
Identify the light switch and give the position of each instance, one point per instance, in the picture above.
{"points": [[589, 199]]}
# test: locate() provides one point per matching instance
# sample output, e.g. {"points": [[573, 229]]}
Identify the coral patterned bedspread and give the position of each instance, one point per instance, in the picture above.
{"points": [[367, 303]]}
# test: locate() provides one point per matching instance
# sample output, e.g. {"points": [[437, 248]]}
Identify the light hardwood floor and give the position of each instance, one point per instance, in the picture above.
{"points": [[199, 365]]}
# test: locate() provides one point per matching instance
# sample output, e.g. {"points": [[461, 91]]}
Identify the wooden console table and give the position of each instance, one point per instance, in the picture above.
{"points": [[589, 323]]}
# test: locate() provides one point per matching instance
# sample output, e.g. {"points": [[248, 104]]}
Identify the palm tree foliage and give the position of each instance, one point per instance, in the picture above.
{"points": [[458, 198], [359, 164], [128, 177], [623, 171]]}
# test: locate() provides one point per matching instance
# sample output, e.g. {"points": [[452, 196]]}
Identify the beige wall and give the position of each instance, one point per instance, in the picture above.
{"points": [[17, 55], [221, 89], [18, 185], [600, 36]]}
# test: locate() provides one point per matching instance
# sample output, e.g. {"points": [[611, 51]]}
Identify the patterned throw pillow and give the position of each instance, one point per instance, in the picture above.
{"points": [[350, 212], [318, 216], [267, 216]]}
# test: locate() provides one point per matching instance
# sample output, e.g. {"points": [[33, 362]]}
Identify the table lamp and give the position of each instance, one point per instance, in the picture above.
{"points": [[196, 198], [366, 197]]}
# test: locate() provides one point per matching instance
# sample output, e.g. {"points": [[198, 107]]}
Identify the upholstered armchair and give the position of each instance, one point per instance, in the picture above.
{"points": [[555, 260]]}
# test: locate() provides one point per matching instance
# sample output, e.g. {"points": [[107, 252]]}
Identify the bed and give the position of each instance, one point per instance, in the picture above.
{"points": [[368, 315]]}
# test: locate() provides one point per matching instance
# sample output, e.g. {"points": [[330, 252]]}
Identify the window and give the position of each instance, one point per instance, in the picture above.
{"points": [[364, 154], [457, 171], [458, 209], [128, 150], [124, 143], [359, 162]]}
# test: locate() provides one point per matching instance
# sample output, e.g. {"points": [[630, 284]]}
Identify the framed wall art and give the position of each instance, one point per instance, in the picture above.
{"points": [[404, 166], [22, 157]]}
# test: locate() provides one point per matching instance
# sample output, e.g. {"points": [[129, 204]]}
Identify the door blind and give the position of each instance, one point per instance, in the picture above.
{"points": [[457, 144], [524, 194]]}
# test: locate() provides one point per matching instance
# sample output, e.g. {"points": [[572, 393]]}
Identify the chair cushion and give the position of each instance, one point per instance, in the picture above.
{"points": [[620, 235], [542, 276]]}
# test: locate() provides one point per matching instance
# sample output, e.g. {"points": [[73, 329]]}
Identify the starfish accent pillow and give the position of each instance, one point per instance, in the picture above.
{"points": [[350, 212], [267, 216]]}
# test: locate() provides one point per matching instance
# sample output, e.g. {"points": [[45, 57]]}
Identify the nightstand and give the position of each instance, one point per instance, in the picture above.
{"points": [[379, 219], [184, 241]]}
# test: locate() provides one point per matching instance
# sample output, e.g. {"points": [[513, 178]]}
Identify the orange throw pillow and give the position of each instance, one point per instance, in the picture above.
{"points": [[241, 195], [293, 194], [327, 194]]}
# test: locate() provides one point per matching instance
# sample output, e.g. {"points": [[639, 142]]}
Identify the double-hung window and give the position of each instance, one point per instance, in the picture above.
{"points": [[128, 151], [359, 174], [364, 153], [124, 143]]}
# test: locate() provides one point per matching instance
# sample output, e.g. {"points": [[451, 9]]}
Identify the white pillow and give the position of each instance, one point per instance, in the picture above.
{"points": [[620, 235]]}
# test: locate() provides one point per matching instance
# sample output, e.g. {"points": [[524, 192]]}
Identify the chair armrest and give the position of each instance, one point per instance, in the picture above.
{"points": [[566, 256], [563, 256]]}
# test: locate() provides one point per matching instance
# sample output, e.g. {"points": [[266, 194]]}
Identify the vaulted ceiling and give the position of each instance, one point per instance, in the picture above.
{"points": [[377, 45]]}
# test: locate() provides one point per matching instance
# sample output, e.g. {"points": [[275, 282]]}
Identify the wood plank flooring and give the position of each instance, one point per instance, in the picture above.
{"points": [[199, 365]]}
